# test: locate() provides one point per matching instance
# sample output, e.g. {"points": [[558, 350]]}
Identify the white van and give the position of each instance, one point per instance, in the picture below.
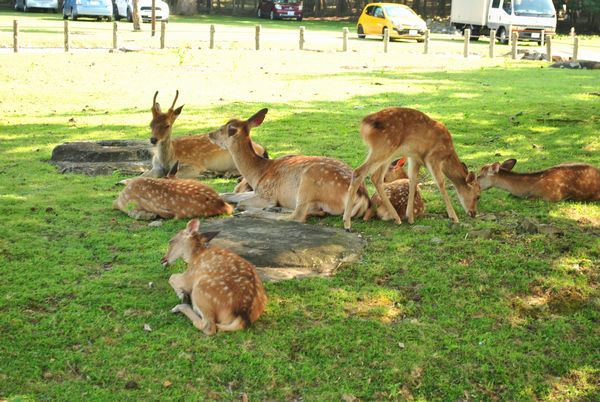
{"points": [[531, 19]]}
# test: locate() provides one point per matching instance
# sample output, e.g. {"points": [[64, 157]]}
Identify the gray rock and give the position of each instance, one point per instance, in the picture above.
{"points": [[488, 217], [420, 228], [283, 249], [436, 240], [549, 230], [528, 225], [481, 234], [578, 64], [155, 224]]}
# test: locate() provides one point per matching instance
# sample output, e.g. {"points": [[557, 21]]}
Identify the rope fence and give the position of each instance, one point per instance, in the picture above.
{"points": [[223, 37]]}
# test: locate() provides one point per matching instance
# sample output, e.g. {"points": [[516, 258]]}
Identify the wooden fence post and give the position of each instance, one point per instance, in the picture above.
{"points": [[575, 48], [115, 37], [492, 43], [301, 38], [211, 43], [548, 47], [163, 28], [467, 37], [15, 36], [345, 40], [67, 39], [510, 32], [515, 43], [257, 37], [426, 41], [386, 40]]}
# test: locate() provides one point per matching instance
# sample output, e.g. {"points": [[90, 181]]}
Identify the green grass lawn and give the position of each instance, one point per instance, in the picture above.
{"points": [[433, 315]]}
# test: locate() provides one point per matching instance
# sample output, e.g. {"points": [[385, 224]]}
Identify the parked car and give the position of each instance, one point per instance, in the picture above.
{"points": [[401, 22], [27, 5], [88, 8], [124, 9], [280, 9]]}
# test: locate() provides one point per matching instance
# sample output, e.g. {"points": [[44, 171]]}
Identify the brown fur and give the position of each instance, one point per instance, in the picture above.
{"points": [[196, 153], [401, 131], [224, 289], [310, 185], [569, 181], [170, 198]]}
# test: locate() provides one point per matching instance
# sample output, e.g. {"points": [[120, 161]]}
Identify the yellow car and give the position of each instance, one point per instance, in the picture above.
{"points": [[400, 21]]}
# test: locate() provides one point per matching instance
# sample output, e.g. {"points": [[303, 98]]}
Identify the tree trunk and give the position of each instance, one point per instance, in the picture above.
{"points": [[137, 26]]}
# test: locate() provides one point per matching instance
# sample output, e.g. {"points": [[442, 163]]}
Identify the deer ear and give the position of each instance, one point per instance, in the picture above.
{"points": [[193, 226], [208, 236], [509, 164], [177, 112], [470, 178], [156, 108], [173, 170], [258, 118]]}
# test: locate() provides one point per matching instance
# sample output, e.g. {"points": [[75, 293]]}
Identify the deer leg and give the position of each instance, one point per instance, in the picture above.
{"points": [[413, 175], [235, 325], [377, 179], [188, 172], [439, 179], [358, 177], [140, 214], [179, 283], [256, 202], [203, 324]]}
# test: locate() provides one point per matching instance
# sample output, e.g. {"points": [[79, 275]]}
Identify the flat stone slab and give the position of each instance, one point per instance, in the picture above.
{"points": [[578, 64], [283, 249]]}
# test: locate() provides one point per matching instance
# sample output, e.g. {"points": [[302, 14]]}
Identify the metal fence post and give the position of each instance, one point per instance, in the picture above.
{"points": [[548, 47], [492, 43], [211, 43], [386, 40], [257, 37], [467, 35], [345, 40], [301, 38], [515, 43], [15, 36], [163, 28], [115, 38], [67, 39], [426, 41]]}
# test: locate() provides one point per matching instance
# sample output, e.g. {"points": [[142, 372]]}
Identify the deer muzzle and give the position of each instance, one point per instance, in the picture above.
{"points": [[153, 140], [164, 261]]}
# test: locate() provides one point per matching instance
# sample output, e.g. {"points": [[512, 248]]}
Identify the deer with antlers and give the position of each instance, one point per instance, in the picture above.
{"points": [[195, 153], [170, 197], [402, 131], [310, 185], [569, 181], [396, 187], [220, 290]]}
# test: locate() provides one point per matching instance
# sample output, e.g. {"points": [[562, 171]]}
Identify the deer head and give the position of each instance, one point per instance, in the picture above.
{"points": [[396, 171], [186, 242], [162, 123], [487, 172], [236, 129], [469, 192]]}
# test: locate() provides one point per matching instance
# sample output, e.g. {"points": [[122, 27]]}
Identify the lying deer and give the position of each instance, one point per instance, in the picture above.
{"points": [[146, 197], [569, 181], [310, 185], [396, 187], [195, 152], [394, 131], [224, 289]]}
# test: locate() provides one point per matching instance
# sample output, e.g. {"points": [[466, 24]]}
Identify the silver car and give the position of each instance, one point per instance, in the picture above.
{"points": [[27, 5]]}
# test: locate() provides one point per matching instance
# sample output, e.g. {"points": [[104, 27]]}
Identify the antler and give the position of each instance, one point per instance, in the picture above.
{"points": [[154, 100], [175, 100]]}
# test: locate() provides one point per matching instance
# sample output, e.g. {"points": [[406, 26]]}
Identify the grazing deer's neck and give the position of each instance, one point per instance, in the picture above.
{"points": [[515, 183], [250, 165], [454, 170]]}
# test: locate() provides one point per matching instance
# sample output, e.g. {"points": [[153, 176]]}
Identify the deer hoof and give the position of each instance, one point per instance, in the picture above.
{"points": [[177, 309]]}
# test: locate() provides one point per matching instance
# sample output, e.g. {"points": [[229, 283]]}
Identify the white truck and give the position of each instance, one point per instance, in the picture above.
{"points": [[531, 19]]}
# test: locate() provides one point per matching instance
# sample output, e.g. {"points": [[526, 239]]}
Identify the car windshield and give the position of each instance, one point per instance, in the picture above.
{"points": [[534, 7], [393, 11]]}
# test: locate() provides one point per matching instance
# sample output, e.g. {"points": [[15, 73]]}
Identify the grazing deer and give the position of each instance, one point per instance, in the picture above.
{"points": [[147, 197], [195, 152], [569, 181], [393, 131], [396, 187], [224, 289], [310, 185]]}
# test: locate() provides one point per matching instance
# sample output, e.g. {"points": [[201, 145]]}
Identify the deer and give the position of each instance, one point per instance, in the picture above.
{"points": [[195, 152], [402, 131], [170, 197], [309, 185], [396, 187], [568, 181], [220, 291]]}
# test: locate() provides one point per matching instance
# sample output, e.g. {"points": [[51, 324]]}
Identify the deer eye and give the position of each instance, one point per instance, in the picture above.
{"points": [[231, 130], [166, 126]]}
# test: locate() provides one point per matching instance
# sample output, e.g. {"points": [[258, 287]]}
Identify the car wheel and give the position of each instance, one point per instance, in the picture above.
{"points": [[25, 9], [502, 36], [73, 15], [360, 32], [65, 16], [129, 15], [259, 13], [299, 19], [383, 33], [420, 40], [109, 19], [272, 16]]}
